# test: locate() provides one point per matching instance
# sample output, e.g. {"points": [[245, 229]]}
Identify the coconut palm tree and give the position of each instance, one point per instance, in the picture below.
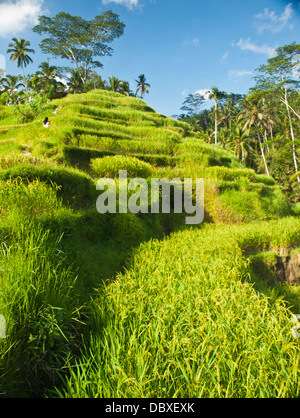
{"points": [[75, 82], [215, 94], [10, 84], [125, 88], [288, 109], [47, 77], [229, 111], [19, 52], [209, 135], [142, 85], [254, 114], [94, 82], [241, 145], [224, 136], [114, 84]]}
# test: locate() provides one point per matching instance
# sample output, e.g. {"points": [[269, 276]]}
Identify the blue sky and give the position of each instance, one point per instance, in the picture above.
{"points": [[182, 46]]}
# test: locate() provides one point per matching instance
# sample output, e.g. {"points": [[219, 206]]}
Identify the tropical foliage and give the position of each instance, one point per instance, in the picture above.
{"points": [[109, 305], [19, 50], [142, 85], [122, 305], [261, 127]]}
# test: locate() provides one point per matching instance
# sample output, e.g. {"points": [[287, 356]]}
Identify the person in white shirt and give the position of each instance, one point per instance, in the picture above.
{"points": [[46, 123]]}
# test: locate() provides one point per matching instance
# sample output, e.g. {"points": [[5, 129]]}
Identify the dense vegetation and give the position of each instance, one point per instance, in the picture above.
{"points": [[261, 127], [123, 305], [141, 305]]}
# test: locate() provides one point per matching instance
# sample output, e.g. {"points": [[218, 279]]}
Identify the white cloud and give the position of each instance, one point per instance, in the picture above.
{"points": [[204, 93], [2, 66], [184, 92], [224, 56], [247, 45], [2, 61], [16, 16], [268, 20], [191, 42], [235, 74], [61, 80], [128, 3]]}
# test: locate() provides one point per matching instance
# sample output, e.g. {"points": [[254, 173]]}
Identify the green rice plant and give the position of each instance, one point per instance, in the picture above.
{"points": [[103, 128], [254, 206], [273, 235], [10, 149], [199, 147], [295, 209], [110, 166], [19, 198], [126, 146], [120, 115], [81, 157], [74, 187], [7, 116], [12, 160], [263, 266], [185, 316], [157, 160], [39, 301], [192, 326]]}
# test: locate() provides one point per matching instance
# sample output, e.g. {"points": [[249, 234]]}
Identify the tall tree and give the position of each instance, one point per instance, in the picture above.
{"points": [[230, 109], [125, 88], [11, 83], [19, 50], [94, 82], [114, 84], [75, 83], [241, 143], [142, 85], [254, 114], [192, 104], [216, 95], [79, 40], [283, 73], [47, 77]]}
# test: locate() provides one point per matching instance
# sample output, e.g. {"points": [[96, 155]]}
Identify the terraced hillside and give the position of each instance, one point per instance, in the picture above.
{"points": [[108, 305], [94, 125]]}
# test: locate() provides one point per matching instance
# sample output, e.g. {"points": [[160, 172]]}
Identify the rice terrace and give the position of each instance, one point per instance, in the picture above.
{"points": [[193, 296]]}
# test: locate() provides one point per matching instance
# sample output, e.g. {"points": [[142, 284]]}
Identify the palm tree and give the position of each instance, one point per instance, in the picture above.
{"points": [[10, 84], [209, 135], [94, 82], [228, 112], [254, 114], [75, 82], [288, 108], [216, 95], [125, 88], [114, 84], [241, 147], [224, 136], [46, 77], [205, 119], [19, 52], [142, 85]]}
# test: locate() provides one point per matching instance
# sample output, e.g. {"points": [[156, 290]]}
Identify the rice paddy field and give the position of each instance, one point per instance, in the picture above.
{"points": [[140, 305]]}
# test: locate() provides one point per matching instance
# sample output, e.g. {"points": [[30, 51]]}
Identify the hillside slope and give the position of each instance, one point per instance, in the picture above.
{"points": [[100, 123], [129, 310]]}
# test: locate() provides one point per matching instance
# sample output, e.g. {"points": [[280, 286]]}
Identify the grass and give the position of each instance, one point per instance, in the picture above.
{"points": [[192, 326], [110, 166], [138, 305], [38, 299], [75, 187]]}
